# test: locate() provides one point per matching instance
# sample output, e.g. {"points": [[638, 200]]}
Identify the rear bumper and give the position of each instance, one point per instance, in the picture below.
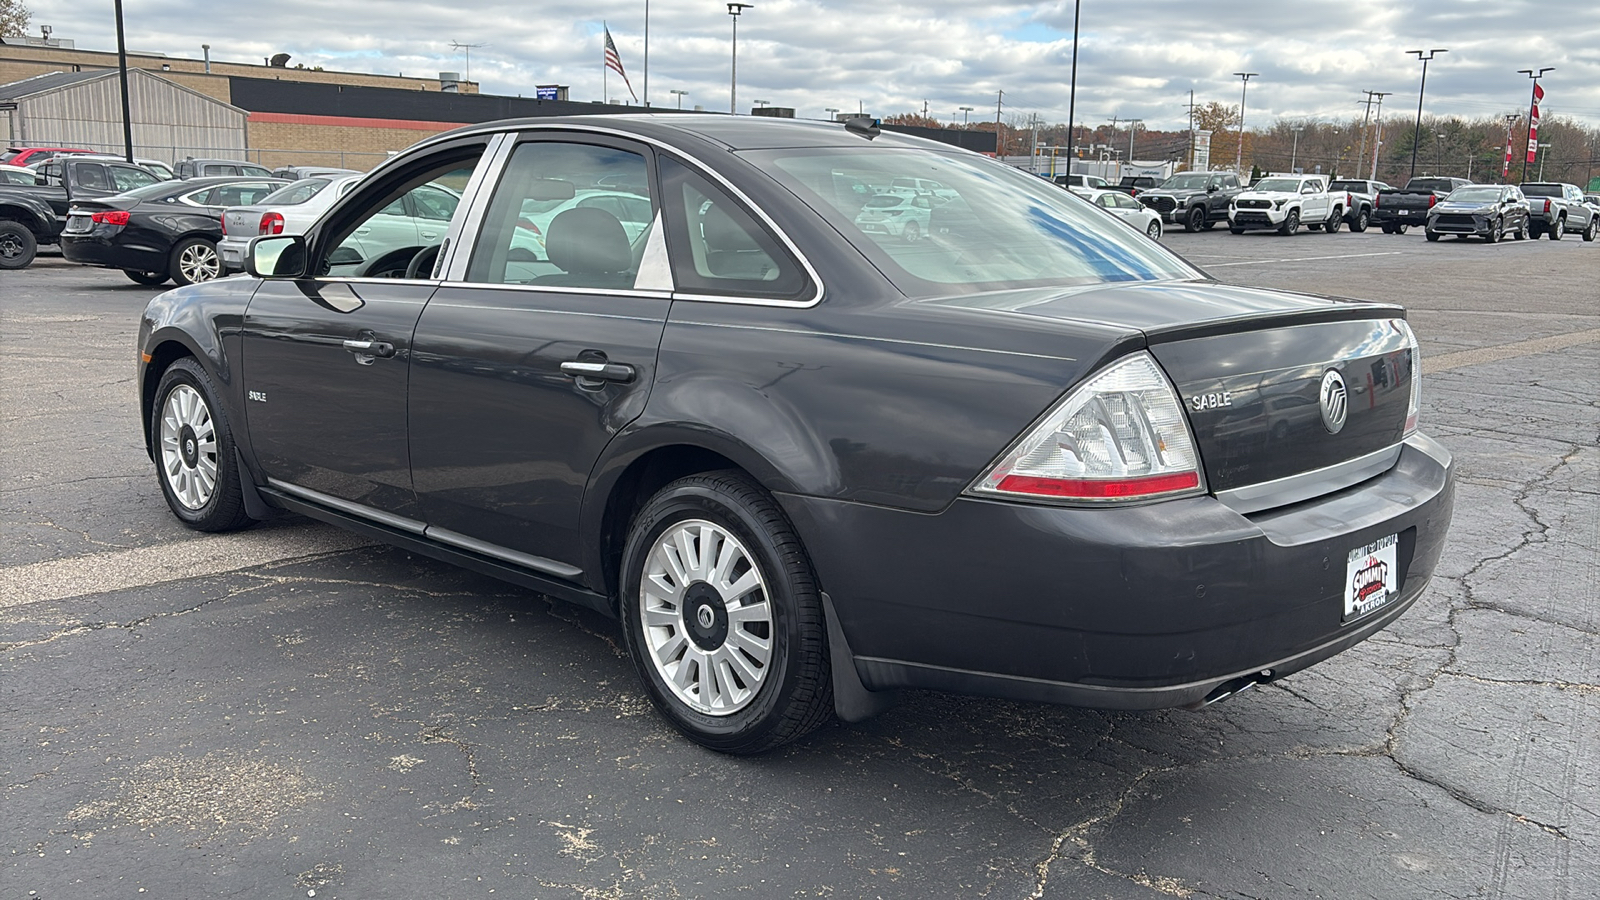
{"points": [[98, 248], [232, 251], [1134, 607]]}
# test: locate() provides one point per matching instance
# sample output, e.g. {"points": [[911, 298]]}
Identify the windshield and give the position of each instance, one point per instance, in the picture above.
{"points": [[1474, 194], [1188, 181], [295, 193], [1286, 185], [993, 228], [1542, 190]]}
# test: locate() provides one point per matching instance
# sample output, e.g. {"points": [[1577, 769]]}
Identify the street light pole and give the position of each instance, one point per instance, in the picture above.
{"points": [[1294, 154], [964, 111], [1238, 157], [833, 113], [1377, 135], [1532, 102], [122, 67], [735, 10], [1132, 123], [1072, 91], [680, 95], [1416, 136], [1438, 152]]}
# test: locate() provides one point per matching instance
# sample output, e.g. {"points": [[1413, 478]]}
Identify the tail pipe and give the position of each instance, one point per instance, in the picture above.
{"points": [[1235, 686]]}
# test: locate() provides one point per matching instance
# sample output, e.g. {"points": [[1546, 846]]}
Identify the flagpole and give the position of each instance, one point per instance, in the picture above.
{"points": [[647, 54], [605, 75]]}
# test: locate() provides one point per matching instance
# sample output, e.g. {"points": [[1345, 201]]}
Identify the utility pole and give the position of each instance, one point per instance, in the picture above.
{"points": [[1191, 128], [999, 147], [1132, 124], [1033, 120], [1377, 134], [1365, 116]]}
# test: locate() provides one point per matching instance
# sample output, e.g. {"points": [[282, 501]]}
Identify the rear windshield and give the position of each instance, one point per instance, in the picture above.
{"points": [[992, 227], [1541, 190], [296, 193], [1359, 187], [1430, 184]]}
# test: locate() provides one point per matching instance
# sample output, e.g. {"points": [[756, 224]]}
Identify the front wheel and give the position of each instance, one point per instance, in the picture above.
{"points": [[195, 260], [1496, 229], [1401, 229], [1432, 235], [194, 451], [722, 615], [1153, 231], [1195, 220], [1291, 222], [18, 246]]}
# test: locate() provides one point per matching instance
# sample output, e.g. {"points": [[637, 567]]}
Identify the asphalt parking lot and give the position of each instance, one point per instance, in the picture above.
{"points": [[293, 712]]}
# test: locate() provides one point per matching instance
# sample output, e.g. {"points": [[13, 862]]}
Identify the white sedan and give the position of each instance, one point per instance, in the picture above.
{"points": [[289, 210], [1129, 210]]}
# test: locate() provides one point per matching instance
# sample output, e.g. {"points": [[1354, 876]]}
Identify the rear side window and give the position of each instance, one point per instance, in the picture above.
{"points": [[717, 247], [1541, 190], [91, 175]]}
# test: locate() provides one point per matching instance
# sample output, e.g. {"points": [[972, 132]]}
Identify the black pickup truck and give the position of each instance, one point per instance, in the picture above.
{"points": [[34, 214], [1194, 200], [1397, 209]]}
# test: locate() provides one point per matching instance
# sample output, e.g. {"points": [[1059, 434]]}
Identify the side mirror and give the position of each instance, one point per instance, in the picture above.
{"points": [[277, 257], [1211, 189]]}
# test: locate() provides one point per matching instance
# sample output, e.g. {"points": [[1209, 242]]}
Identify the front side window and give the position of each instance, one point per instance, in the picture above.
{"points": [[566, 215], [377, 235], [995, 227]]}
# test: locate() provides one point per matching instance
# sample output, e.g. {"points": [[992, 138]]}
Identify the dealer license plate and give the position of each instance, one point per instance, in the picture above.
{"points": [[1372, 578], [1405, 212], [79, 224]]}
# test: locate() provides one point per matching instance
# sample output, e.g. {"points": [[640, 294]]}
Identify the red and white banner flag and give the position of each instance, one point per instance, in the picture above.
{"points": [[1506, 167], [1533, 122]]}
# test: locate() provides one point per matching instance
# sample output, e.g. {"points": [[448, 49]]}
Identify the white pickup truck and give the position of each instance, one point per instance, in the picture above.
{"points": [[1285, 202]]}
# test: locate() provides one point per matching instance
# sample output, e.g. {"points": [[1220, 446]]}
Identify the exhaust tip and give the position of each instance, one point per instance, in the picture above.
{"points": [[1234, 686]]}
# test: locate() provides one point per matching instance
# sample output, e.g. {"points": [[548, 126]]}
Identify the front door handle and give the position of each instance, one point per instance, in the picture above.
{"points": [[369, 349], [599, 371]]}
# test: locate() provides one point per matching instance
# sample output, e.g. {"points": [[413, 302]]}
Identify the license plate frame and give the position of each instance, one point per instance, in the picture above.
{"points": [[1371, 578], [78, 225]]}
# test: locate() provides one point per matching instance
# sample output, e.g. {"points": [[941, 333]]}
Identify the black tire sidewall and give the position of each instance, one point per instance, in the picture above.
{"points": [[225, 510], [753, 728], [175, 271], [30, 245]]}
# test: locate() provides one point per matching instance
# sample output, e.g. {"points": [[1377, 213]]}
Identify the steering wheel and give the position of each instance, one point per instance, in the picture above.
{"points": [[421, 265]]}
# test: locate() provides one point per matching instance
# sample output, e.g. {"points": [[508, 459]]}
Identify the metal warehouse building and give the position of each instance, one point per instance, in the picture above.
{"points": [[84, 109]]}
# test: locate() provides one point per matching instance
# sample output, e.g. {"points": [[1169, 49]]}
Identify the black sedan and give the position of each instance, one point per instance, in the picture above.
{"points": [[166, 230], [652, 366]]}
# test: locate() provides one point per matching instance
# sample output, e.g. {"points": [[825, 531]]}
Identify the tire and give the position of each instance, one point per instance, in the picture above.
{"points": [[1521, 233], [1235, 229], [1557, 229], [1535, 230], [1401, 229], [1333, 224], [913, 233], [193, 261], [1363, 219], [1153, 232], [1388, 229], [1593, 230], [199, 477], [1208, 224], [782, 690], [1291, 223], [18, 246], [1194, 220], [1432, 235], [150, 278], [1496, 230]]}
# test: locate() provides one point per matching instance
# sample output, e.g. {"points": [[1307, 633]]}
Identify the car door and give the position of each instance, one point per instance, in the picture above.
{"points": [[531, 357], [326, 357]]}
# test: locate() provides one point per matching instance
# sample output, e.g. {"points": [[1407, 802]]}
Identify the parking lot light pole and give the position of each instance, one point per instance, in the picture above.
{"points": [[1238, 156], [735, 10], [1532, 101], [1072, 90], [1294, 153], [680, 95], [1416, 136], [964, 111], [122, 71], [833, 113]]}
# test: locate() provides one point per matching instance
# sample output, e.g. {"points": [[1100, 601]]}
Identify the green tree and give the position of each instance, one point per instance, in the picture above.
{"points": [[13, 17]]}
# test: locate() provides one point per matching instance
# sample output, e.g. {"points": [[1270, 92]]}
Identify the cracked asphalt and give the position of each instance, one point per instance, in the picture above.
{"points": [[294, 712]]}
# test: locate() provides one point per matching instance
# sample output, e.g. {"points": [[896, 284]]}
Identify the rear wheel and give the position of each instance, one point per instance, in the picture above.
{"points": [[1557, 229], [723, 617], [1291, 222], [194, 451], [1593, 230], [1195, 220], [17, 245], [1388, 229], [150, 278], [1363, 218], [913, 233], [195, 260]]}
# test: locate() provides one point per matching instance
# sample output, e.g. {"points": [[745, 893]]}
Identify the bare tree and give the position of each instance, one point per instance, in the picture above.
{"points": [[13, 17]]}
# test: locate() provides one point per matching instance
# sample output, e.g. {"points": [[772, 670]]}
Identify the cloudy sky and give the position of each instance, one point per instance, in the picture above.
{"points": [[1137, 58]]}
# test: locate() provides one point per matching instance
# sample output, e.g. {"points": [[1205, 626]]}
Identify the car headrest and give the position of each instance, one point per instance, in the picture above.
{"points": [[588, 241], [723, 233]]}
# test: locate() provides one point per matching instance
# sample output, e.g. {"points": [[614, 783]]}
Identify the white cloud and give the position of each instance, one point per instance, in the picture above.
{"points": [[1137, 58]]}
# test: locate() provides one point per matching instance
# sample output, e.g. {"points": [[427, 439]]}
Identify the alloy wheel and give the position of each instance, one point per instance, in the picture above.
{"points": [[199, 262], [707, 617], [188, 447]]}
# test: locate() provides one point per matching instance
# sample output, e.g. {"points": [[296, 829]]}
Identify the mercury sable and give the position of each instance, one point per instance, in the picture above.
{"points": [[1031, 455]]}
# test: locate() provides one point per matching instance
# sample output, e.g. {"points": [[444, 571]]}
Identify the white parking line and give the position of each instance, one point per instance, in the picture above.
{"points": [[1257, 262], [119, 570]]}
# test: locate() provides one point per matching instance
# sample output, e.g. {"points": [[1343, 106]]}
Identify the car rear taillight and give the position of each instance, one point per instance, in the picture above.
{"points": [[110, 217], [1120, 436], [1432, 199], [271, 223], [1414, 410], [1547, 207], [1375, 199]]}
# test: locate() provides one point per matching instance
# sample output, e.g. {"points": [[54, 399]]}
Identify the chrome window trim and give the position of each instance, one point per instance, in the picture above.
{"points": [[411, 526], [550, 289], [1307, 485], [456, 277]]}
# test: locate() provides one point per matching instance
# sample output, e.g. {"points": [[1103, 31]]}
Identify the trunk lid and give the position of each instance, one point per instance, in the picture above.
{"points": [[242, 221]]}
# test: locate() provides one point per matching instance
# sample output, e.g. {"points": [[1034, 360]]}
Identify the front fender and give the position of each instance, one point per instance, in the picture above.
{"points": [[202, 321]]}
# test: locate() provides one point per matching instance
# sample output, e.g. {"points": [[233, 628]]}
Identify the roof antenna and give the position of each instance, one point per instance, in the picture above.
{"points": [[866, 126]]}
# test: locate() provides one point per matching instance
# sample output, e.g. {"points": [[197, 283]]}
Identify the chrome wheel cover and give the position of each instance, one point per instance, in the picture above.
{"points": [[199, 262], [188, 447], [706, 617]]}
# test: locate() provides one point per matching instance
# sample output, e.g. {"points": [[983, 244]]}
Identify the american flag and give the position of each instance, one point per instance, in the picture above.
{"points": [[614, 62]]}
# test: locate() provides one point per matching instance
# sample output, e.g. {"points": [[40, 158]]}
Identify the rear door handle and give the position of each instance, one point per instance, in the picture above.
{"points": [[370, 348], [601, 371]]}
